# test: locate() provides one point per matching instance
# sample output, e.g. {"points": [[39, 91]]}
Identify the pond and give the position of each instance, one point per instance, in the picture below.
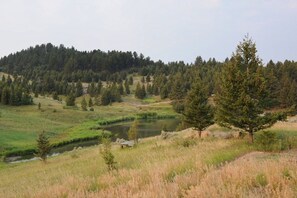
{"points": [[146, 128]]}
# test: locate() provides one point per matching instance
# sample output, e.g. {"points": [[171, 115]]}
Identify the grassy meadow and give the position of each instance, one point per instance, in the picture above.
{"points": [[19, 126]]}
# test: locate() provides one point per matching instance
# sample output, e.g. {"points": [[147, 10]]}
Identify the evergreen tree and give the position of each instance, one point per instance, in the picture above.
{"points": [[164, 92], [130, 80], [99, 88], [70, 100], [127, 87], [79, 89], [149, 89], [115, 93], [90, 102], [240, 96], [5, 96], [105, 97], [55, 96], [148, 78], [198, 112], [143, 92], [121, 89], [177, 93], [109, 95], [272, 88], [142, 79], [43, 146], [140, 92], [84, 104], [287, 95], [107, 155], [92, 89], [133, 132], [155, 89], [292, 95]]}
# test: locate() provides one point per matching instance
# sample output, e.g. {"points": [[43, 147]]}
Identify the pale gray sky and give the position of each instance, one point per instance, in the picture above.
{"points": [[169, 30]]}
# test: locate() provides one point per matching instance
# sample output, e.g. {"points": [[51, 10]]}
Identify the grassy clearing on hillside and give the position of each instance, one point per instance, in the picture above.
{"points": [[156, 168]]}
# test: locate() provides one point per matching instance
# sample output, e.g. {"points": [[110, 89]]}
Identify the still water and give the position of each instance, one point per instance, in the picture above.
{"points": [[146, 128]]}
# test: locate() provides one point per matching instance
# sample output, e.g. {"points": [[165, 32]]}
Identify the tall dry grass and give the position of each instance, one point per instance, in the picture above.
{"points": [[254, 175], [155, 168]]}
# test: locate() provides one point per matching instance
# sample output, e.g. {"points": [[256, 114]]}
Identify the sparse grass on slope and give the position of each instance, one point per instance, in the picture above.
{"points": [[255, 175], [154, 168], [157, 168]]}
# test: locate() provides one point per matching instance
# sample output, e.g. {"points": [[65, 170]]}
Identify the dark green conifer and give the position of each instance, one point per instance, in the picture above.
{"points": [[241, 93], [84, 104], [198, 113], [43, 146]]}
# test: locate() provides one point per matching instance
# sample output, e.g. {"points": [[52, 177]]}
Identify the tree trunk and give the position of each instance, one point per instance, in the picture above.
{"points": [[199, 132], [251, 137]]}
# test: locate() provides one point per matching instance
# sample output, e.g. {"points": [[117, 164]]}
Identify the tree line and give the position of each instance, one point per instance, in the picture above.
{"points": [[240, 99], [47, 68], [15, 92]]}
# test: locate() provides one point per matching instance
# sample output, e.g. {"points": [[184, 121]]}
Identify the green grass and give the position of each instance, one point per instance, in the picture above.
{"points": [[19, 126], [235, 150]]}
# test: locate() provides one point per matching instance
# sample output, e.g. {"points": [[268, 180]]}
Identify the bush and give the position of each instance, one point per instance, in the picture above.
{"points": [[270, 141], [266, 140], [186, 142], [107, 155], [91, 109], [261, 180]]}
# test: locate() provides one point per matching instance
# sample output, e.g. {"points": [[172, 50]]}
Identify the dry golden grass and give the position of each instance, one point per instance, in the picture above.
{"points": [[254, 175], [156, 168]]}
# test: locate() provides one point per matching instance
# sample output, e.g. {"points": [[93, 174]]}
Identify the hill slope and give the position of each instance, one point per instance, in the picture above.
{"points": [[50, 57], [157, 168]]}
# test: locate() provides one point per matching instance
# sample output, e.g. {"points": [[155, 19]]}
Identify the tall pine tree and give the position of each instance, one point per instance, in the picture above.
{"points": [[242, 91], [198, 112]]}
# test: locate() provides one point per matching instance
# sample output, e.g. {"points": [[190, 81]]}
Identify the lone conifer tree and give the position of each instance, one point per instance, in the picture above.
{"points": [[241, 92], [127, 88], [106, 153], [133, 132], [43, 146], [140, 91], [198, 112], [84, 104], [70, 100]]}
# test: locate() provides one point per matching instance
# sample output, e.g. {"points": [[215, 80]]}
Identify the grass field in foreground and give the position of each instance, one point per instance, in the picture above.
{"points": [[157, 168], [19, 126]]}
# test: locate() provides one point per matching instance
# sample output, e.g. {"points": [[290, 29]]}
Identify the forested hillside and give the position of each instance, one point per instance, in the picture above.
{"points": [[60, 71]]}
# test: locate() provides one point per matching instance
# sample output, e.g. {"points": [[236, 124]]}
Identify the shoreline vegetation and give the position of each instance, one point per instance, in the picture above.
{"points": [[97, 128]]}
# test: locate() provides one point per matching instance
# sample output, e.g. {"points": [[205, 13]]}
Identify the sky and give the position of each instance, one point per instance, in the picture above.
{"points": [[167, 30]]}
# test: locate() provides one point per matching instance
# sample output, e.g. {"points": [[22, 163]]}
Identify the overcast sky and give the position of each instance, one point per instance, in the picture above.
{"points": [[169, 30]]}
